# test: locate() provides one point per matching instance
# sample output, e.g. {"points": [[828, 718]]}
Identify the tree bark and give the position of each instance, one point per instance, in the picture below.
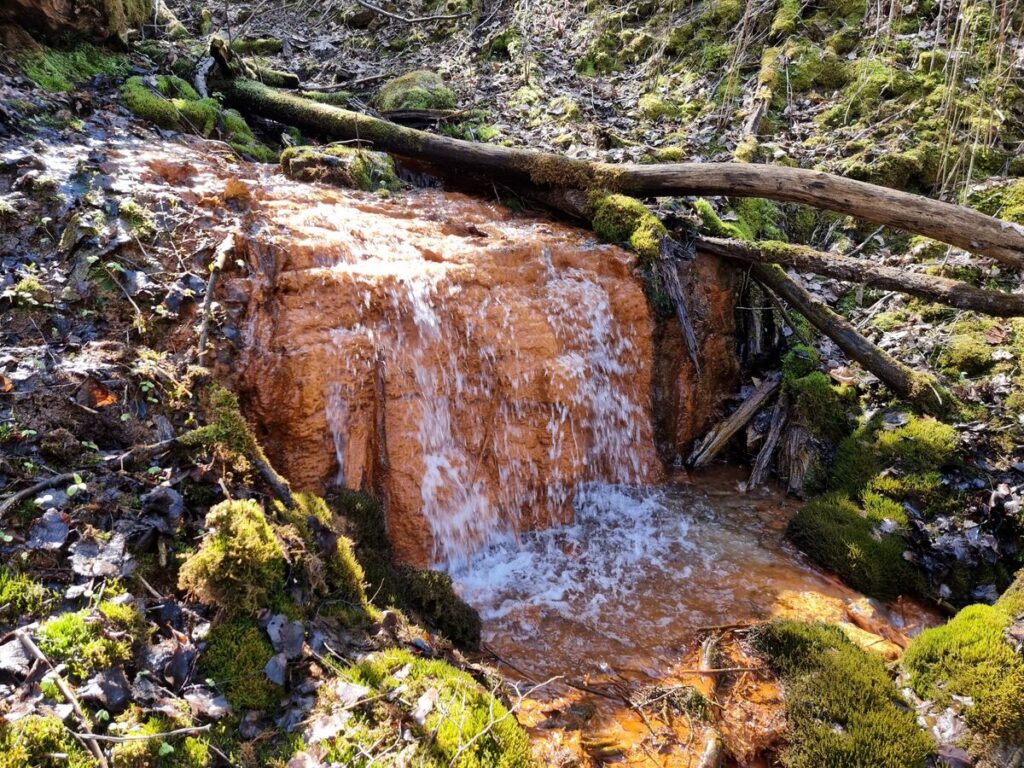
{"points": [[719, 437], [918, 388], [933, 288], [953, 224]]}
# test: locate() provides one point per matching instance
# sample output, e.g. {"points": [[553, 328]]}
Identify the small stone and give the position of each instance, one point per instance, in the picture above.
{"points": [[91, 557], [276, 669], [109, 688], [13, 658], [292, 639], [49, 532], [205, 703]]}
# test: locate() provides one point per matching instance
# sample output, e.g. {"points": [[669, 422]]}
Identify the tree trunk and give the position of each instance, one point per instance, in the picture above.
{"points": [[953, 224], [940, 289], [918, 388]]}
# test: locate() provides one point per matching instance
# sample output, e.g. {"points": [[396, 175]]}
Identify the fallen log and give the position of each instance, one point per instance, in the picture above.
{"points": [[717, 438], [920, 389], [943, 290], [953, 224], [764, 457]]}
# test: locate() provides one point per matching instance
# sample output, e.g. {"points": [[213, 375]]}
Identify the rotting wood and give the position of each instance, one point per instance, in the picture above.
{"points": [[943, 290], [921, 389], [718, 437], [673, 257], [949, 223], [220, 257], [764, 457]]}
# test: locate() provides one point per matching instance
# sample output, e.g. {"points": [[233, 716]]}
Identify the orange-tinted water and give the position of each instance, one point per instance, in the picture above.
{"points": [[619, 602]]}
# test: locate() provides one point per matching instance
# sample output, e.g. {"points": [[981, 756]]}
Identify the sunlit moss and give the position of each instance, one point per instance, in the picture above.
{"points": [[41, 742], [421, 89], [618, 218], [62, 70], [86, 643], [842, 708], [236, 653]]}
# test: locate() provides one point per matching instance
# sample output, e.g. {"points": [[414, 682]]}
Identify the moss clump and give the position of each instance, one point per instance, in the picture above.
{"points": [[87, 643], [240, 137], [432, 594], [180, 752], [853, 543], [966, 353], [822, 406], [259, 46], [467, 721], [240, 564], [655, 107], [226, 433], [618, 218], [343, 166], [41, 742], [21, 595], [139, 219], [428, 594], [841, 706], [343, 576], [800, 361], [970, 656], [236, 653], [54, 70], [421, 89]]}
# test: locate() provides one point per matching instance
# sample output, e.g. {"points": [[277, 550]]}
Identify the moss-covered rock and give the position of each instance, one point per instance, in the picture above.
{"points": [[622, 219], [343, 166], [235, 656], [972, 657], [260, 46], [240, 564], [841, 706], [863, 546], [421, 89]]}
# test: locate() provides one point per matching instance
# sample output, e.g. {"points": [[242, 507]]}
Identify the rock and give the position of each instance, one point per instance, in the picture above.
{"points": [[205, 703], [171, 661], [303, 760], [49, 532], [13, 658], [105, 559], [421, 89], [167, 505], [110, 689], [277, 668]]}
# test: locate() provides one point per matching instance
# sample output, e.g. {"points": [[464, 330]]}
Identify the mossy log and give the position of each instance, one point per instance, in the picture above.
{"points": [[953, 224], [943, 290], [918, 388]]}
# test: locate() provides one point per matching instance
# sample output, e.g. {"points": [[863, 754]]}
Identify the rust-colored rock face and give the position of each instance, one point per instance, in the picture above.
{"points": [[469, 366]]}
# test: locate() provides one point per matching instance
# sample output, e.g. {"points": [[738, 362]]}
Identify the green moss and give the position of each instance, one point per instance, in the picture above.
{"points": [[139, 219], [800, 361], [259, 46], [87, 644], [842, 708], [56, 70], [467, 727], [41, 742], [971, 657], [966, 353], [654, 107], [618, 218], [823, 407], [786, 17], [176, 752], [343, 575], [428, 594], [240, 564], [226, 432], [712, 224], [236, 653], [344, 166], [421, 89], [841, 537], [920, 445], [21, 595]]}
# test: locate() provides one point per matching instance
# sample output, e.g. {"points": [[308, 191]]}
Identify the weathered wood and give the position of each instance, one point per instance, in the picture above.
{"points": [[764, 457], [714, 749], [717, 438], [673, 258], [943, 290], [953, 224], [918, 388]]}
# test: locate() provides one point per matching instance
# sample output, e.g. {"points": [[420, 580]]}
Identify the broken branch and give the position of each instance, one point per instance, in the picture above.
{"points": [[717, 438]]}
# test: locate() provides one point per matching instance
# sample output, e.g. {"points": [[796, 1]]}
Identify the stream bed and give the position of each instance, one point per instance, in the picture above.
{"points": [[618, 601]]}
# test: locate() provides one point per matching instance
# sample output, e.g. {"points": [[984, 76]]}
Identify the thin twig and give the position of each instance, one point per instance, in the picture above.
{"points": [[88, 737], [42, 485], [145, 736]]}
